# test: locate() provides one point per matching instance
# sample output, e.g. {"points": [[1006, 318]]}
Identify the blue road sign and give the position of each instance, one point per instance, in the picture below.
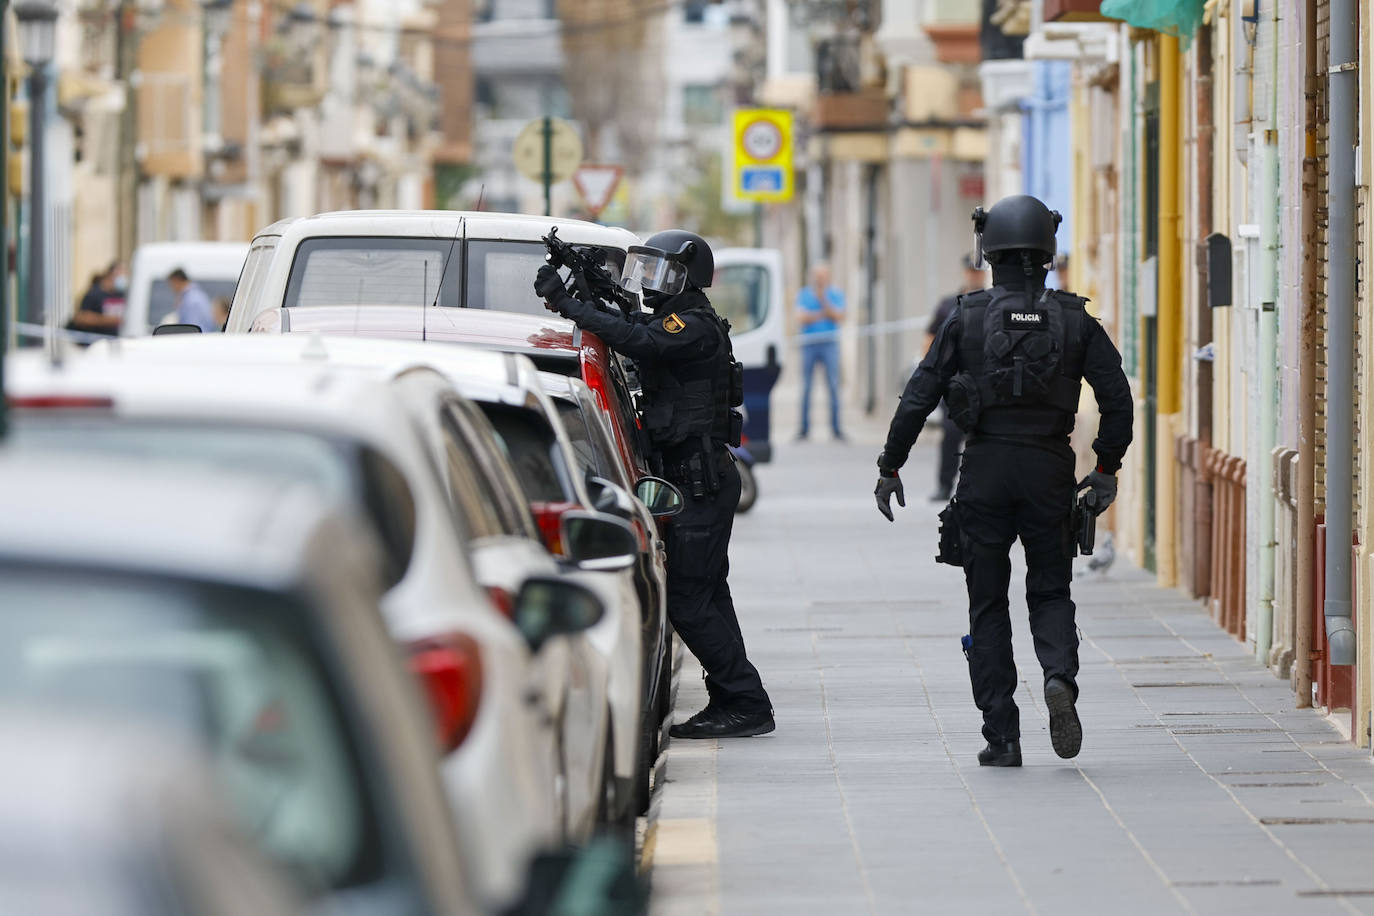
{"points": [[761, 179]]}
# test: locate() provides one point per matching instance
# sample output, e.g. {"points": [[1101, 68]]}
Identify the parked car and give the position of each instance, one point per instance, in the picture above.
{"points": [[412, 260], [552, 344], [144, 831], [600, 460], [210, 402], [215, 266], [240, 613]]}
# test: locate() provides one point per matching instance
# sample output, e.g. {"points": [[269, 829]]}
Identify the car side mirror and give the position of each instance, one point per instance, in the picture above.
{"points": [[548, 606], [176, 329], [599, 543], [608, 497], [661, 497]]}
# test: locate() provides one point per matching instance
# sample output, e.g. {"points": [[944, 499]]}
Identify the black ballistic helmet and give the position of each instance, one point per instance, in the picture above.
{"points": [[1017, 223], [687, 249]]}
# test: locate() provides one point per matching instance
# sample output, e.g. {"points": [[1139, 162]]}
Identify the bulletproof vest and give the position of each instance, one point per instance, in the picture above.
{"points": [[690, 400], [1020, 360]]}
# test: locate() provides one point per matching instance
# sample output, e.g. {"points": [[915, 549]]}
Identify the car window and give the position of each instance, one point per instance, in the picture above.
{"points": [[530, 445], [471, 496], [580, 436], [500, 275], [508, 499], [341, 470], [609, 458], [239, 672], [740, 294], [254, 274], [374, 271], [162, 301]]}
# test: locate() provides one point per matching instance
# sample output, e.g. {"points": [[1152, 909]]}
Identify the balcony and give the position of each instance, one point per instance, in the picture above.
{"points": [[865, 109]]}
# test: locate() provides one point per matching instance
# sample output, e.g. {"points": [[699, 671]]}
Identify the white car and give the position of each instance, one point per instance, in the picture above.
{"points": [[407, 259], [204, 400], [236, 614], [214, 266]]}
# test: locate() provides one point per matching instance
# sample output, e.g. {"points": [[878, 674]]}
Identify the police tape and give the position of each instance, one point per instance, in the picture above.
{"points": [[877, 329]]}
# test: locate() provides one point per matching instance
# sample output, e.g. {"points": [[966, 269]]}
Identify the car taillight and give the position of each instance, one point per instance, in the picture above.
{"points": [[549, 517], [502, 600], [450, 668], [59, 402]]}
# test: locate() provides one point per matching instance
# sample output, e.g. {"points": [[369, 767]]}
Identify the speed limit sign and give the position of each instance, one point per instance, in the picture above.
{"points": [[763, 155]]}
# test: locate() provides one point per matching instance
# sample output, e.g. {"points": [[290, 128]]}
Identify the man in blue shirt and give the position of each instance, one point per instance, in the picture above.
{"points": [[820, 309], [193, 305]]}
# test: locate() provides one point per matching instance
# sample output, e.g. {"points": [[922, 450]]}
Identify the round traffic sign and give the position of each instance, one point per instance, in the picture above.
{"points": [[565, 150], [761, 139]]}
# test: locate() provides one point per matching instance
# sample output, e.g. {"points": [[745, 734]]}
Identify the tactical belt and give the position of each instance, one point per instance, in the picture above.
{"points": [[1024, 422]]}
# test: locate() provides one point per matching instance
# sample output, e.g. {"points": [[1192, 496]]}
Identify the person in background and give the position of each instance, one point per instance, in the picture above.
{"points": [[97, 313], [221, 310], [820, 309], [193, 305], [952, 438]]}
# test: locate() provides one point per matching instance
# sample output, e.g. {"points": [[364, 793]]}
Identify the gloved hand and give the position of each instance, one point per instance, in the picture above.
{"points": [[887, 486], [1104, 485], [548, 285]]}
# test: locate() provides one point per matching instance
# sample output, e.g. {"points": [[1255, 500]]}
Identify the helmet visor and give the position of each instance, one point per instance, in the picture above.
{"points": [[647, 270]]}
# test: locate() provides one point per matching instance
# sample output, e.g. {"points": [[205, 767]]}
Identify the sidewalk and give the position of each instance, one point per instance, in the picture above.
{"points": [[1199, 789]]}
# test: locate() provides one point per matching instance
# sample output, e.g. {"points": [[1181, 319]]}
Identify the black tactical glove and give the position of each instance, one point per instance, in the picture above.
{"points": [[888, 484], [1103, 485], [548, 285]]}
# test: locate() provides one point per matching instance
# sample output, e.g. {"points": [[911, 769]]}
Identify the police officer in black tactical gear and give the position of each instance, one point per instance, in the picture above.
{"points": [[1010, 362], [690, 384]]}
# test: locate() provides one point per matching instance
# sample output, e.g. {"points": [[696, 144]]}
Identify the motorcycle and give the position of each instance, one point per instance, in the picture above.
{"points": [[749, 487]]}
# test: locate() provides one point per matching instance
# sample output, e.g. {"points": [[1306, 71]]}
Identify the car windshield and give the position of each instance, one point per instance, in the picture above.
{"points": [[237, 671], [343, 471], [579, 435], [500, 275], [162, 300], [739, 294], [405, 272]]}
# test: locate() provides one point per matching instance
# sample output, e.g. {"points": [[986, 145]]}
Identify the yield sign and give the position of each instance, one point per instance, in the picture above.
{"points": [[596, 184]]}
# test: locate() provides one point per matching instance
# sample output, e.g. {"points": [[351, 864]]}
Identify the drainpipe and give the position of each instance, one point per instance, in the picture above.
{"points": [[1268, 355], [1306, 495], [1169, 326], [1343, 84]]}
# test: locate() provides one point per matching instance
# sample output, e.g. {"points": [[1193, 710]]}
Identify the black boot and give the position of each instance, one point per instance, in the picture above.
{"points": [[715, 722], [1002, 754], [1066, 732]]}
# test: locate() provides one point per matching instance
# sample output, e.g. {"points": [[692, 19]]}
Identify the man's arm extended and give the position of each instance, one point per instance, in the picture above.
{"points": [[923, 393]]}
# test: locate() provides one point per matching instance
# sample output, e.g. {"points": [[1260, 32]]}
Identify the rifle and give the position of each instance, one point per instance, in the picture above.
{"points": [[591, 280]]}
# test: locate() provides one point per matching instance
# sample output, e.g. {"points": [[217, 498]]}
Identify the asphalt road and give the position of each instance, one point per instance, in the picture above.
{"points": [[1199, 789]]}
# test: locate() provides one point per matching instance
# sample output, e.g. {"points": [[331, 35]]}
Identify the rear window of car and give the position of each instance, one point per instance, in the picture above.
{"points": [[344, 471], [532, 448], [239, 672], [500, 275], [383, 270]]}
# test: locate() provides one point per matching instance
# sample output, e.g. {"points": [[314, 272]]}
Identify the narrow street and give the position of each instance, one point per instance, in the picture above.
{"points": [[1200, 789]]}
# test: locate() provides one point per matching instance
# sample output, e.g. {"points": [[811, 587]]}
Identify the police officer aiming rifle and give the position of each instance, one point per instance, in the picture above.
{"points": [[1009, 363], [690, 383]]}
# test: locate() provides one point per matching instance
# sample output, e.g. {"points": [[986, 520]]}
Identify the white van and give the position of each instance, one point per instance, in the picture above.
{"points": [[748, 292], [214, 266]]}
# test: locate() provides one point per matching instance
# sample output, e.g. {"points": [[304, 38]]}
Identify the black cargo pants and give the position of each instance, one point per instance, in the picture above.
{"points": [[1011, 489], [699, 603]]}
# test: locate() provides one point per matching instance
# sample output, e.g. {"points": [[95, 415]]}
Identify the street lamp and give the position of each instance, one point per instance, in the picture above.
{"points": [[37, 40]]}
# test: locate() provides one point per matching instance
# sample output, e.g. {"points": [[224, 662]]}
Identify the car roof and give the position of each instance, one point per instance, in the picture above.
{"points": [[513, 332], [215, 376], [160, 518], [478, 225]]}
